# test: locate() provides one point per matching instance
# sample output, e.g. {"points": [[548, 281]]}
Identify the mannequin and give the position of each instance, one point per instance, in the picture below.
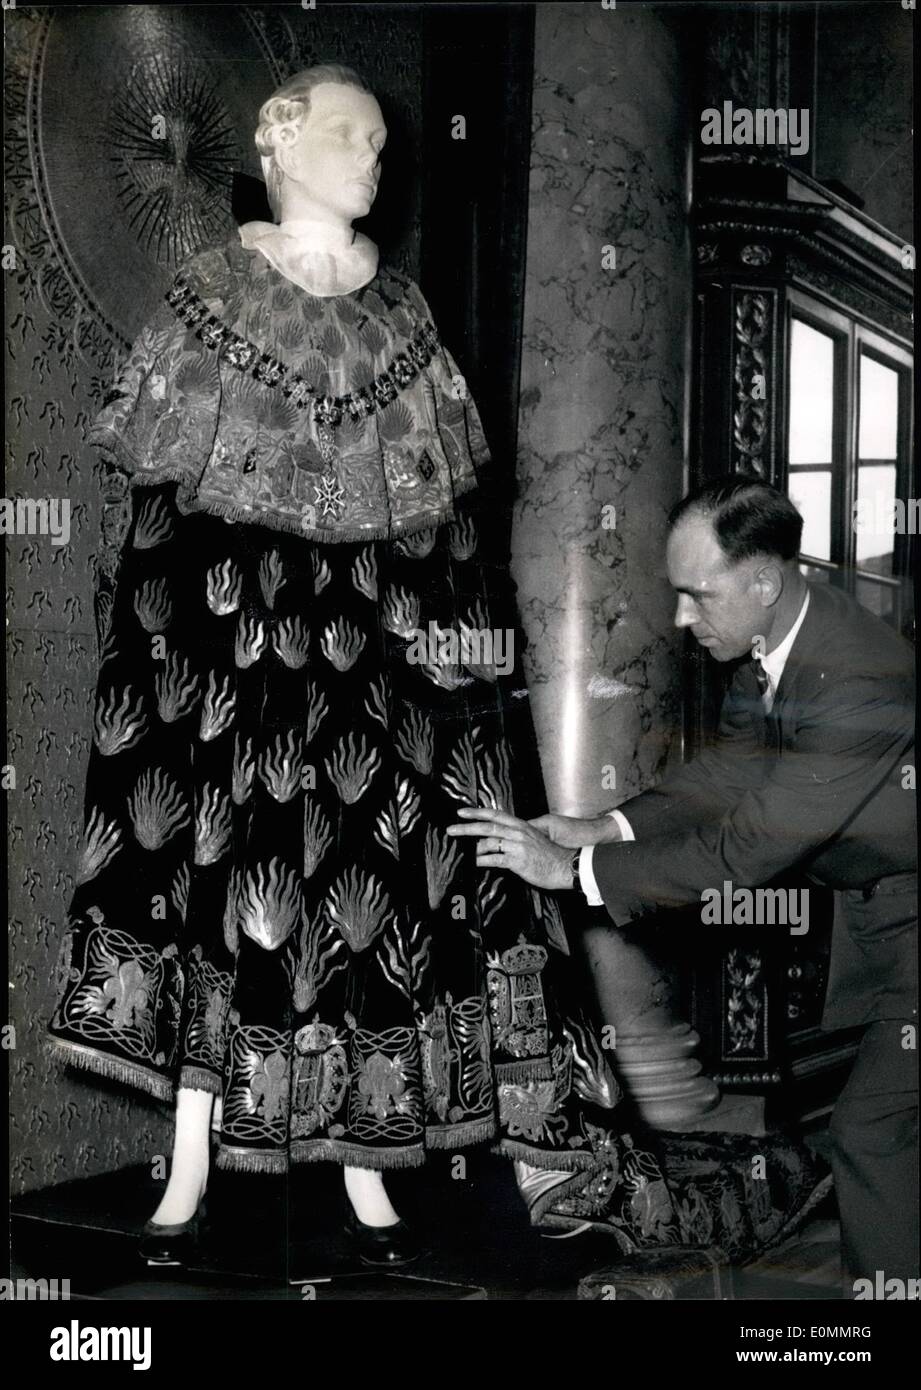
{"points": [[322, 174]]}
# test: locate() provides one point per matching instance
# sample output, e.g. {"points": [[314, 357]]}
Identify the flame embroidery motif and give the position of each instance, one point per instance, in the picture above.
{"points": [[157, 809], [419, 544], [364, 574], [592, 1077], [316, 963], [400, 612], [152, 606], [471, 628], [251, 640], [282, 768], [321, 573], [180, 891], [154, 525], [442, 856], [317, 709], [271, 577], [358, 906], [244, 767], [405, 962], [398, 819], [460, 778], [376, 703], [218, 708], [291, 641], [268, 905], [415, 742], [351, 770], [176, 687], [212, 825], [101, 843], [118, 726], [342, 644], [462, 538], [447, 675], [224, 585], [317, 837]]}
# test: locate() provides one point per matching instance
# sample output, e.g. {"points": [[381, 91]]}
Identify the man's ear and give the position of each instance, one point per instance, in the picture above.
{"points": [[769, 583]]}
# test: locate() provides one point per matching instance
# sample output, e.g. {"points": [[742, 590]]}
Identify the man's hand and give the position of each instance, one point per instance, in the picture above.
{"points": [[505, 842], [573, 832]]}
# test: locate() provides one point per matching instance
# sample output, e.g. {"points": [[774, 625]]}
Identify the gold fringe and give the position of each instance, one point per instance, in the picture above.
{"points": [[356, 1155], [240, 1160], [512, 1072], [460, 1136], [116, 1068], [565, 1160], [200, 1079]]}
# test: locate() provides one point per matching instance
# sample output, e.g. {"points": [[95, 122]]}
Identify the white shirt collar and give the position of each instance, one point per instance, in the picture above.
{"points": [[774, 662]]}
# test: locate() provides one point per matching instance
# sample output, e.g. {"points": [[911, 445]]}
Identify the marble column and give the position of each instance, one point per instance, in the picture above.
{"points": [[600, 461]]}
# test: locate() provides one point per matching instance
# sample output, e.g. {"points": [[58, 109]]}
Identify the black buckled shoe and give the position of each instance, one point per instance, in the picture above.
{"points": [[171, 1245], [385, 1247]]}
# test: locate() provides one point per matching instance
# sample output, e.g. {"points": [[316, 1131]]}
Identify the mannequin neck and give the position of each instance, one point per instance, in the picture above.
{"points": [[299, 207]]}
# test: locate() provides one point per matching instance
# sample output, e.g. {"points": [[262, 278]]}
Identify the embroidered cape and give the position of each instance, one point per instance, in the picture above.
{"points": [[337, 418]]}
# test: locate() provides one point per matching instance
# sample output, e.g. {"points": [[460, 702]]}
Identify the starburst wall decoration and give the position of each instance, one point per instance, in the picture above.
{"points": [[173, 152]]}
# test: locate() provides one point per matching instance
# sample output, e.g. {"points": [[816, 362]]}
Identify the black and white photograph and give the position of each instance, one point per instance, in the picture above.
{"points": [[460, 526]]}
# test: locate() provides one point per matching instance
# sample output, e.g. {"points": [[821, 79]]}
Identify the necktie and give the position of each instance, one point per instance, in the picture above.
{"points": [[764, 684]]}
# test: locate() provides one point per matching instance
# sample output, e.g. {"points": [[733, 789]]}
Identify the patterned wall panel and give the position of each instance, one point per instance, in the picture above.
{"points": [[98, 216]]}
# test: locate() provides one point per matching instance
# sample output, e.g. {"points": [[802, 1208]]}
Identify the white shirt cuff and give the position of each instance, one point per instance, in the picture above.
{"points": [[586, 871], [587, 877], [626, 829]]}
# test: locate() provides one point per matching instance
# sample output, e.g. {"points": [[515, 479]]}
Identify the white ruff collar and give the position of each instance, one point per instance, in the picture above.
{"points": [[321, 259]]}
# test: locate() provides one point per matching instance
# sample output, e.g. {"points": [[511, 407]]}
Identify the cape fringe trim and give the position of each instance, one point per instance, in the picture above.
{"points": [[539, 1070], [251, 1160], [460, 1136], [560, 1160], [200, 1079], [356, 1155], [187, 502], [116, 1068]]}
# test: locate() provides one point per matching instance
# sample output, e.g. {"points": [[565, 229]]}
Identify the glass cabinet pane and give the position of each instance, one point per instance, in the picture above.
{"points": [[812, 382], [879, 410]]}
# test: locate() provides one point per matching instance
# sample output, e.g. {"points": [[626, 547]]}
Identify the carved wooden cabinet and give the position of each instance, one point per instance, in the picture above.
{"points": [[799, 298]]}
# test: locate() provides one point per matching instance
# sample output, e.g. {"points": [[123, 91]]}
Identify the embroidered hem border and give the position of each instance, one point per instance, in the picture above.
{"points": [[118, 1068], [269, 371], [188, 501], [200, 1079]]}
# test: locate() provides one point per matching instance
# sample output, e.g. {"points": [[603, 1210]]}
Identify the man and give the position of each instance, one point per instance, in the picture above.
{"points": [[813, 768]]}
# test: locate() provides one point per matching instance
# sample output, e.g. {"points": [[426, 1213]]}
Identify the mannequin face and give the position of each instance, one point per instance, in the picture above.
{"points": [[331, 167]]}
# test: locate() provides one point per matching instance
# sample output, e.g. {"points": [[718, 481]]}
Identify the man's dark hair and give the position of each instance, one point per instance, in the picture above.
{"points": [[749, 516]]}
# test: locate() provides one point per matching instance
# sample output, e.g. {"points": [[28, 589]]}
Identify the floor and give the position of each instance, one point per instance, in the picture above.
{"points": [[277, 1238]]}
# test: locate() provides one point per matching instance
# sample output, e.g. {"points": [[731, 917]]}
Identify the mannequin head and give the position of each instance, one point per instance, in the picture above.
{"points": [[320, 136]]}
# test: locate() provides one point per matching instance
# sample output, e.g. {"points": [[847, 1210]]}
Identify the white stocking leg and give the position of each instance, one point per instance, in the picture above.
{"points": [[368, 1196], [189, 1168]]}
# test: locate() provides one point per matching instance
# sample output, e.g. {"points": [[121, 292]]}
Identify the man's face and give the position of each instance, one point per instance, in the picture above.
{"points": [[721, 602], [336, 156]]}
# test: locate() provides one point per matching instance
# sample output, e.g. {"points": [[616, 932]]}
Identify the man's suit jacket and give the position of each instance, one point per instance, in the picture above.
{"points": [[816, 785]]}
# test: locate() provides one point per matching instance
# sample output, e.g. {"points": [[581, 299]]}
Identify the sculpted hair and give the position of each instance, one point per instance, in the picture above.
{"points": [[748, 515], [287, 108]]}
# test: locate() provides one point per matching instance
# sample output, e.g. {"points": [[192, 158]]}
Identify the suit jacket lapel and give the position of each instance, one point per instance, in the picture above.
{"points": [[802, 658]]}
